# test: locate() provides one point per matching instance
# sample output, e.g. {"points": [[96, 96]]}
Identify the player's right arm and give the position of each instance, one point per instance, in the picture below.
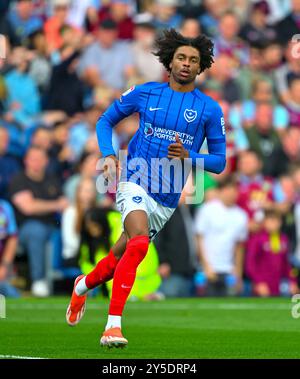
{"points": [[119, 109]]}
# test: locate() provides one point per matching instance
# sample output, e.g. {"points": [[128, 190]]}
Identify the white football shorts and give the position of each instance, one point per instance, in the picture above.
{"points": [[132, 197]]}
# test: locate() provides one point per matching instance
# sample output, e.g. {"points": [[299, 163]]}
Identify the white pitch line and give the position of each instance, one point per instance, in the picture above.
{"points": [[143, 306], [18, 357]]}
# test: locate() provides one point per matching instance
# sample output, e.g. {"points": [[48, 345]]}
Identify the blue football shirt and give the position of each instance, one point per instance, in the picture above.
{"points": [[163, 114]]}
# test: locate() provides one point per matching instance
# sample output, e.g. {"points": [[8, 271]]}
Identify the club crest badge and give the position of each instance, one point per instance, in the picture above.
{"points": [[190, 115], [137, 199], [148, 130]]}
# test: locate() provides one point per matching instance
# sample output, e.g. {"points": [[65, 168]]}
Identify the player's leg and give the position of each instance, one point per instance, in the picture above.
{"points": [[136, 227], [102, 273]]}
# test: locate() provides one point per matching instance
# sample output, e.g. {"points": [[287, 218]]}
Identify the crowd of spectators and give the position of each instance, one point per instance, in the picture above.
{"points": [[62, 62]]}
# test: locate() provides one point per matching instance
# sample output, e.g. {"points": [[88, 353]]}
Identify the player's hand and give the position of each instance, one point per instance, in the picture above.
{"points": [[177, 150], [111, 168]]}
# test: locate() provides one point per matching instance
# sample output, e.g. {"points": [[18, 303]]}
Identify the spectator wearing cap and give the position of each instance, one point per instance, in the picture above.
{"points": [[119, 12], [108, 62], [23, 20], [290, 25], [148, 67], [256, 30]]}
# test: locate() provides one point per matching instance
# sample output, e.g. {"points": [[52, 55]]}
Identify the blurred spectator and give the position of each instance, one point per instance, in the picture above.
{"points": [[177, 254], [191, 8], [257, 30], [285, 194], [8, 246], [40, 66], [9, 165], [107, 62], [256, 192], [149, 69], [209, 20], [272, 57], [83, 128], [37, 199], [119, 12], [42, 137], [290, 25], [228, 41], [262, 136], [72, 220], [79, 11], [221, 229], [267, 259], [65, 82], [23, 99], [221, 79], [293, 104], [87, 168], [6, 28], [286, 72], [244, 114], [166, 14], [287, 154], [251, 73], [190, 28], [54, 23], [23, 20]]}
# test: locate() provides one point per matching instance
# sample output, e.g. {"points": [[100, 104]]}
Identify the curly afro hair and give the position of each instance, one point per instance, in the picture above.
{"points": [[171, 40]]}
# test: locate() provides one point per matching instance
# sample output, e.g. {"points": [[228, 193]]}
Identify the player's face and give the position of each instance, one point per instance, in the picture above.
{"points": [[185, 65]]}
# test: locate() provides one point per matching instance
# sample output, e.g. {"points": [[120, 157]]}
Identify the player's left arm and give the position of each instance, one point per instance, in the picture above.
{"points": [[215, 160]]}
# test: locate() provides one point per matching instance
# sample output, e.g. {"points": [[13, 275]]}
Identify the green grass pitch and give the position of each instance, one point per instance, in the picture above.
{"points": [[181, 328]]}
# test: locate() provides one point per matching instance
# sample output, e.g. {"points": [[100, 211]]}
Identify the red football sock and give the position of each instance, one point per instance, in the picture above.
{"points": [[125, 273], [103, 272]]}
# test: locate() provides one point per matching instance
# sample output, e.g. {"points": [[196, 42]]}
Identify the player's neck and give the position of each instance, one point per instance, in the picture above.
{"points": [[175, 86]]}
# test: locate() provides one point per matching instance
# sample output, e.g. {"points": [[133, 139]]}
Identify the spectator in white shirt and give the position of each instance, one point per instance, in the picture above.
{"points": [[72, 219], [221, 230]]}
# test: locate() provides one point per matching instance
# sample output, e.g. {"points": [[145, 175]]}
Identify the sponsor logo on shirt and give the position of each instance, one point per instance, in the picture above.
{"points": [[167, 134]]}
